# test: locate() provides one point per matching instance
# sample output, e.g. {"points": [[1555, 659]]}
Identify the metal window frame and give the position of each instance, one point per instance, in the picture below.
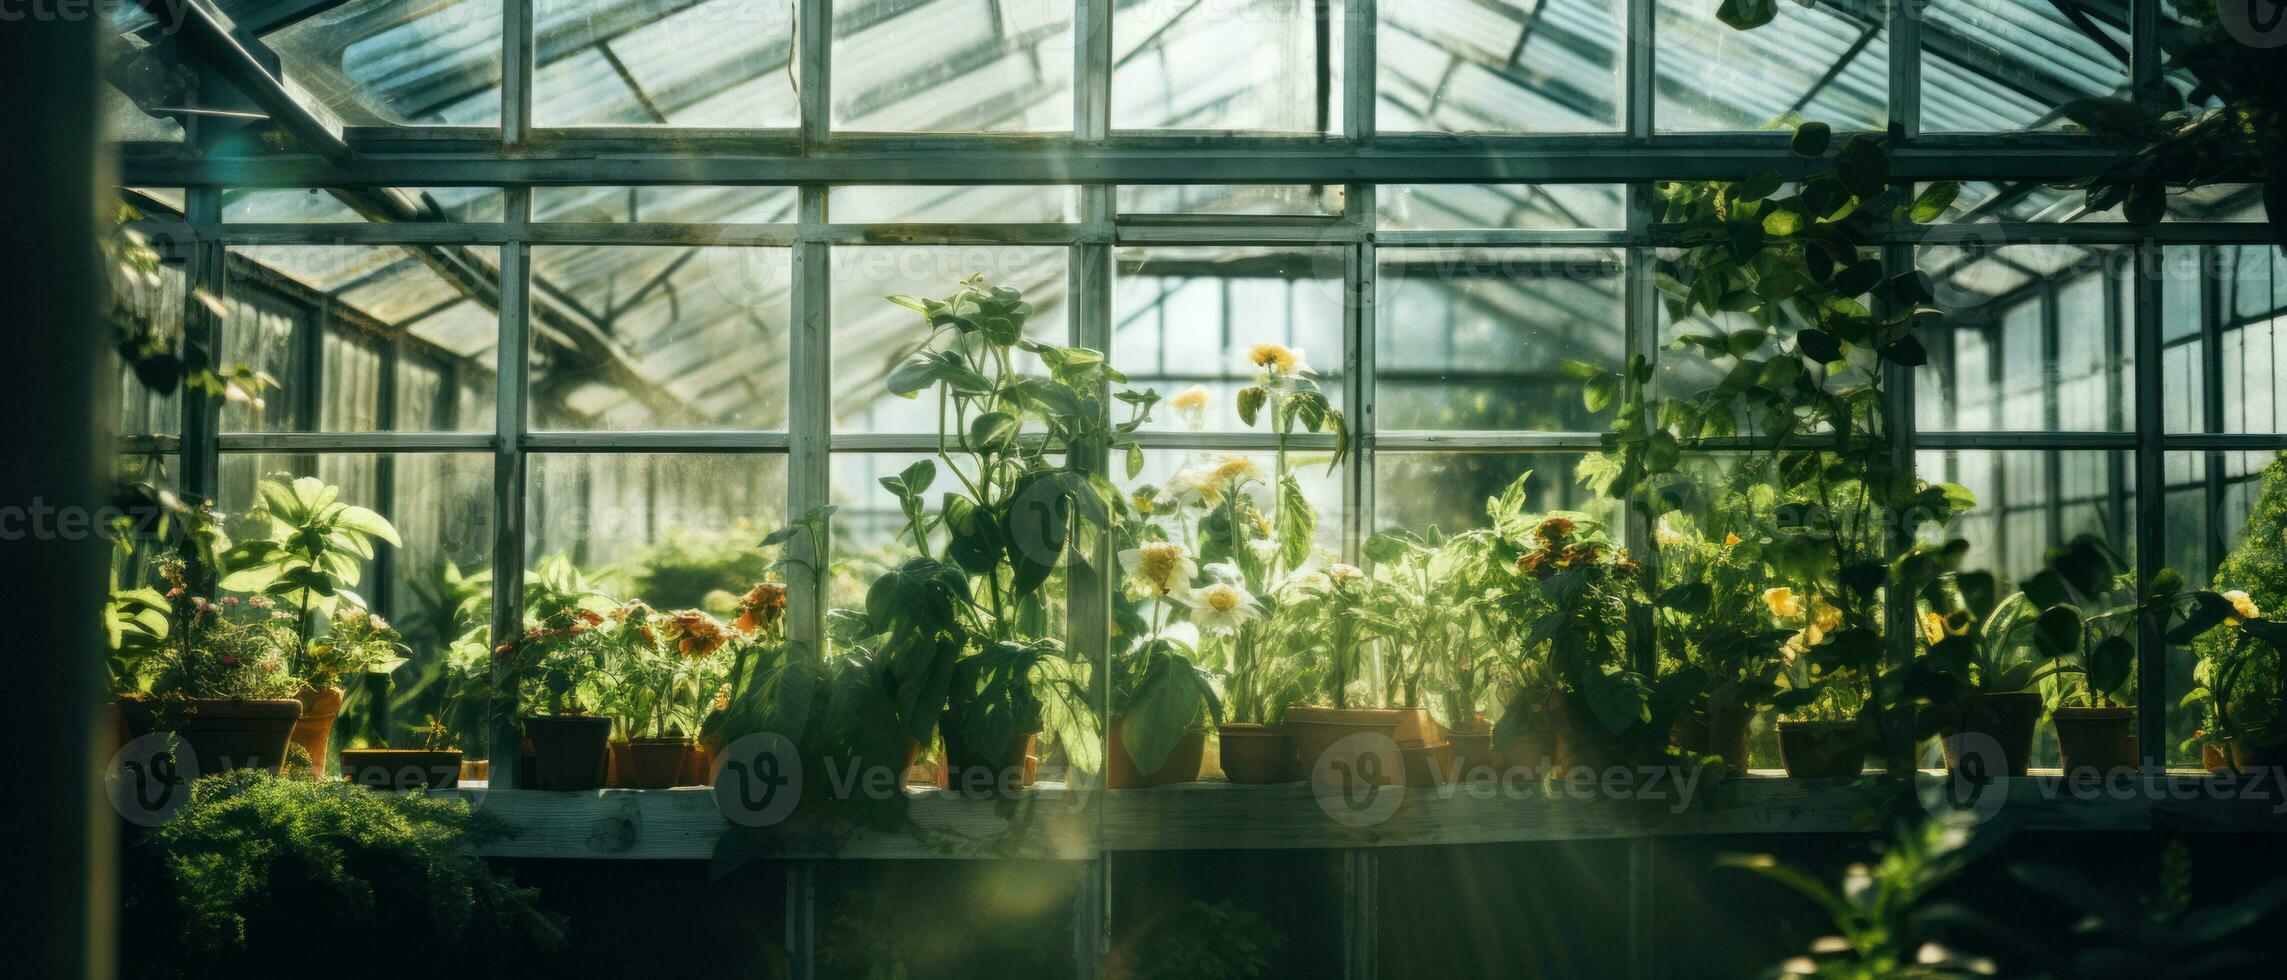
{"points": [[814, 157]]}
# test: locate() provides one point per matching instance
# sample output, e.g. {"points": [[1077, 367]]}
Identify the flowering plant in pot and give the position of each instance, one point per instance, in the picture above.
{"points": [[219, 675], [556, 668], [2242, 675], [659, 677], [308, 554], [2085, 630], [1826, 727], [1429, 608]]}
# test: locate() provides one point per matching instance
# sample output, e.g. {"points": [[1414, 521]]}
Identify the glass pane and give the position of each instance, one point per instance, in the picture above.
{"points": [[441, 506], [2222, 314], [1513, 66], [2227, 514], [2002, 65], [1469, 207], [382, 63], [919, 204], [873, 335], [667, 205], [952, 66], [717, 63], [146, 288], [1478, 338], [667, 337], [1829, 63], [142, 88], [678, 531], [2034, 337], [321, 206], [1266, 65], [1189, 321], [362, 338], [1985, 200], [1449, 491], [1230, 199]]}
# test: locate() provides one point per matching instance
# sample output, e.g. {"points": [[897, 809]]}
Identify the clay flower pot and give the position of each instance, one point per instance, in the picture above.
{"points": [[2102, 740], [402, 769], [1182, 764], [1720, 731], [1994, 736], [1821, 749], [968, 768], [655, 763], [1319, 732], [315, 730], [569, 752], [1255, 755], [225, 733]]}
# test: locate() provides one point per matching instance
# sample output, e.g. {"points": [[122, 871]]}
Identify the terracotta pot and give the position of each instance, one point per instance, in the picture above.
{"points": [[1718, 730], [569, 752], [2232, 758], [655, 763], [476, 771], [2098, 739], [1316, 731], [315, 730], [225, 733], [699, 766], [1181, 765], [1821, 749], [1010, 768], [1426, 764], [402, 769], [616, 765], [1997, 730], [1255, 755], [1473, 751]]}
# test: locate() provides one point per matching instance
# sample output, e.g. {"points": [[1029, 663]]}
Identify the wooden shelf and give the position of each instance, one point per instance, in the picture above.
{"points": [[1057, 823]]}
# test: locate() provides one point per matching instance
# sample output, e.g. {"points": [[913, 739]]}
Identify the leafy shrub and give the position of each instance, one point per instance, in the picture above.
{"points": [[258, 875]]}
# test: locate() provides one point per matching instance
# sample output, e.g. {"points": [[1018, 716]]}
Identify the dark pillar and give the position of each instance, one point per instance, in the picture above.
{"points": [[51, 369]]}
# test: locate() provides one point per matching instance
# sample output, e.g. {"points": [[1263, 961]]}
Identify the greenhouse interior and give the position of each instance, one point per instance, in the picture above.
{"points": [[1150, 488]]}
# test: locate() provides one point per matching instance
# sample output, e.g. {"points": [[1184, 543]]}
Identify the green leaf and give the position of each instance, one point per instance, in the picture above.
{"points": [[2057, 633], [1934, 200], [1617, 698], [2109, 665], [1818, 345], [1906, 350], [1761, 184], [1810, 138], [1166, 705], [1135, 460], [1251, 403], [1863, 166], [1597, 395], [994, 432], [1746, 15]]}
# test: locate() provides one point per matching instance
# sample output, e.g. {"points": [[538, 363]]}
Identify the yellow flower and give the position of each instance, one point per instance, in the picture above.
{"points": [[1783, 601], [1279, 360], [2243, 604], [1160, 567], [1235, 468], [1192, 399], [1825, 616], [1933, 627], [1344, 572], [1730, 539]]}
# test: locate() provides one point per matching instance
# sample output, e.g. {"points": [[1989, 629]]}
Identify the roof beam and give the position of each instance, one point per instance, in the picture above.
{"points": [[248, 66]]}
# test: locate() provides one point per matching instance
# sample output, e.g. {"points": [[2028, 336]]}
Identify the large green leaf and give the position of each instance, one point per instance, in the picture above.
{"points": [[1168, 701]]}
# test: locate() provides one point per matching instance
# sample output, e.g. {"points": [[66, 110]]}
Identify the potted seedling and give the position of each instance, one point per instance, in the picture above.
{"points": [[465, 678], [557, 666], [309, 556], [1163, 700], [656, 671]]}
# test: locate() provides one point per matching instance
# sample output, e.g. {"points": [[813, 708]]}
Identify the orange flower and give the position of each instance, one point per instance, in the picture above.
{"points": [[762, 607], [1553, 530], [696, 633]]}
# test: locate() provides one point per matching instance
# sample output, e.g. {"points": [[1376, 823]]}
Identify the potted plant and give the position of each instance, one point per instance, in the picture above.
{"points": [[1984, 702], [659, 674], [218, 675], [961, 632], [1201, 565], [557, 666], [435, 765], [2242, 675], [310, 554], [2088, 611], [1826, 678], [1326, 615], [1425, 604]]}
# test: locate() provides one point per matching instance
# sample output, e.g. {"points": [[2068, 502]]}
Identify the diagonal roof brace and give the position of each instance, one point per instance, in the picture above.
{"points": [[251, 68]]}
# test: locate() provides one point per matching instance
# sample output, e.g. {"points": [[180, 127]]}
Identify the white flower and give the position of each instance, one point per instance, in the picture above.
{"points": [[1160, 567], [1223, 607], [1344, 572], [2243, 604], [1196, 484]]}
